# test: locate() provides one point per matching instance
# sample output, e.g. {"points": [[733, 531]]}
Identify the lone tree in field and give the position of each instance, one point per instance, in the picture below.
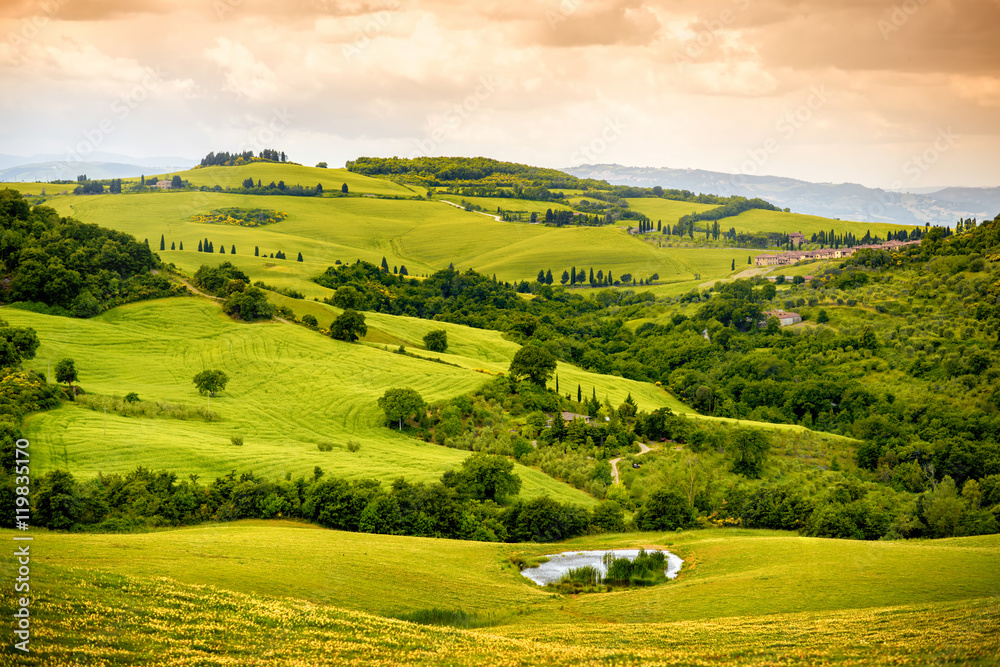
{"points": [[66, 371], [534, 364], [485, 477], [349, 325], [343, 188], [436, 341], [210, 382], [400, 404], [664, 509], [751, 449]]}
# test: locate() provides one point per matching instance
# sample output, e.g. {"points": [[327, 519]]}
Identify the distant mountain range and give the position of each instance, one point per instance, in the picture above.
{"points": [[51, 167], [846, 201]]}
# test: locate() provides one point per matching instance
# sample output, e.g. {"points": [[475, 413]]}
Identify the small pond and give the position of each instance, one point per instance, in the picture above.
{"points": [[560, 564]]}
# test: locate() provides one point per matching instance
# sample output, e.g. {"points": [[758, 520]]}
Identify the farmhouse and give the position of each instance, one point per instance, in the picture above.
{"points": [[797, 238], [163, 185], [570, 416], [784, 317]]}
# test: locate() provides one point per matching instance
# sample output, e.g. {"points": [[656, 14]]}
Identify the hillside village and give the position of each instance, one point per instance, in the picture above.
{"points": [[795, 256]]}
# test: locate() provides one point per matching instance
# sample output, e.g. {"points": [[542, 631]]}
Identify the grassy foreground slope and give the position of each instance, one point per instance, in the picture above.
{"points": [[727, 572], [254, 591]]}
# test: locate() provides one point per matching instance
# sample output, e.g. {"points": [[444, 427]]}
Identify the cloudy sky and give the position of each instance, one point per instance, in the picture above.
{"points": [[883, 94]]}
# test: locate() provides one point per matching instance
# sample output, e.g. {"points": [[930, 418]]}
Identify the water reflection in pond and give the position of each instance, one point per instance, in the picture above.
{"points": [[560, 564]]}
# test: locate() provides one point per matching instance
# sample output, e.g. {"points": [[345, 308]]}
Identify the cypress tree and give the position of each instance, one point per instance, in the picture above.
{"points": [[579, 394], [300, 258], [256, 251], [181, 246], [173, 246], [222, 249], [199, 245], [592, 281], [211, 247], [163, 243], [232, 251], [385, 264], [404, 272], [572, 276]]}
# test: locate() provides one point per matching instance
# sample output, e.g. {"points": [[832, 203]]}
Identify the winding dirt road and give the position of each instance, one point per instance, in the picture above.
{"points": [[643, 448]]}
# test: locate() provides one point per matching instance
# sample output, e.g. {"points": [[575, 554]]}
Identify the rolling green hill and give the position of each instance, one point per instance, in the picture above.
{"points": [[757, 220], [666, 210], [292, 174], [290, 389], [422, 235]]}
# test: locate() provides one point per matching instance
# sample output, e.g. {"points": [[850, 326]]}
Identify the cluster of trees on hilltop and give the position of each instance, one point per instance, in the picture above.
{"points": [[454, 170], [69, 266], [223, 159], [443, 170]]}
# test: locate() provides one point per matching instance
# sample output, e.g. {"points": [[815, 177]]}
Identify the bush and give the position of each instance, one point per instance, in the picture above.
{"points": [[310, 321], [237, 440], [353, 445], [664, 510], [436, 341], [325, 446]]}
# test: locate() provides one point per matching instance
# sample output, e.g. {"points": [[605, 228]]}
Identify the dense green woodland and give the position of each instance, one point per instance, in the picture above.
{"points": [[71, 267]]}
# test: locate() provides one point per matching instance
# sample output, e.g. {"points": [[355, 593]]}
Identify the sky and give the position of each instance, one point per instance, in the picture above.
{"points": [[902, 94]]}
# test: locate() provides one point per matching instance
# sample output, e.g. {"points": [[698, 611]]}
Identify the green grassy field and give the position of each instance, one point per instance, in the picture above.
{"points": [[293, 594], [757, 220], [666, 210], [727, 572], [422, 235], [290, 389], [38, 188], [309, 177]]}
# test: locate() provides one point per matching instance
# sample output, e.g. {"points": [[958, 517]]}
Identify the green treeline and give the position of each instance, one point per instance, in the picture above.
{"points": [[466, 504], [224, 159]]}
